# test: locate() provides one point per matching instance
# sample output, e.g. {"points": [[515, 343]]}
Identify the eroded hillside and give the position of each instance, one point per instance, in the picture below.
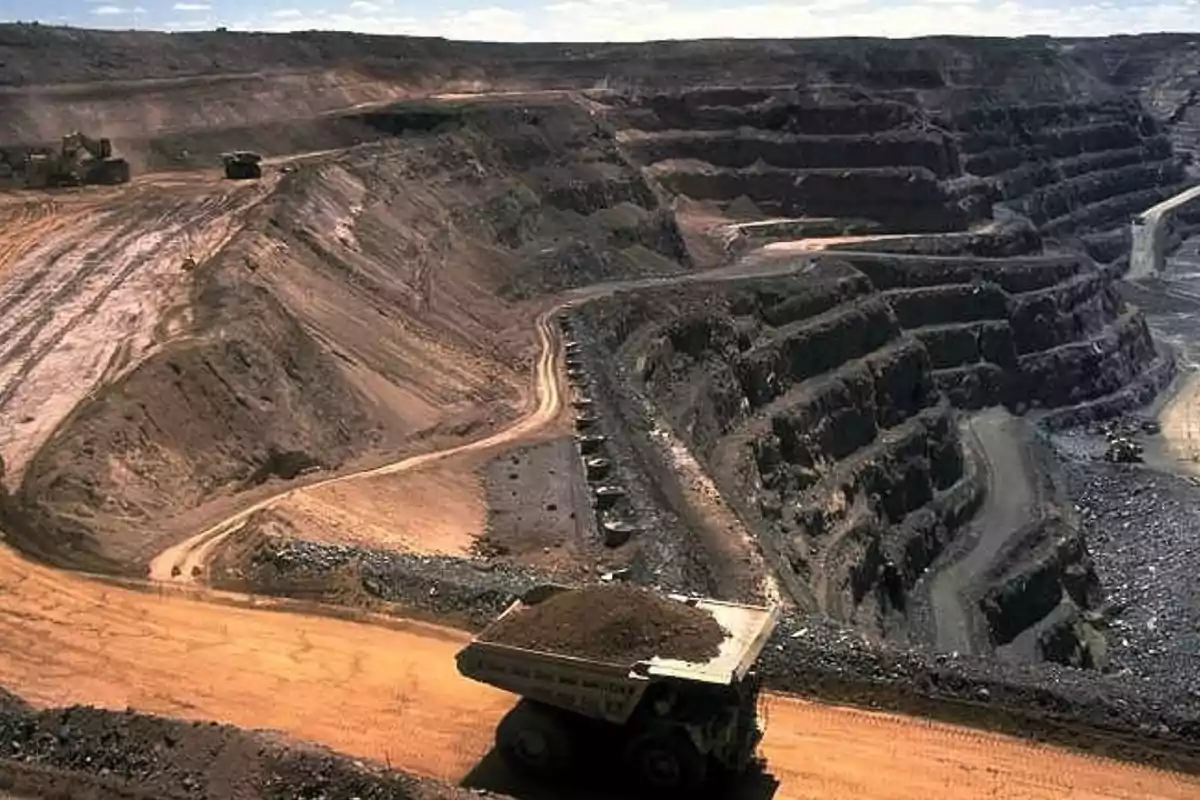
{"points": [[371, 301]]}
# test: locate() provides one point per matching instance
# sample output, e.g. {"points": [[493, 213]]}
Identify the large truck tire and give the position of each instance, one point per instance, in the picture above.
{"points": [[666, 762], [536, 740]]}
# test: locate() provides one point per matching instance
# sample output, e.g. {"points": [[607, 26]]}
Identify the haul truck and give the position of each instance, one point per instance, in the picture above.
{"points": [[80, 160], [242, 165], [673, 724]]}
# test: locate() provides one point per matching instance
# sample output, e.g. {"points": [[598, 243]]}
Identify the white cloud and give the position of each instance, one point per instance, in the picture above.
{"points": [[111, 11], [192, 7], [629, 20]]}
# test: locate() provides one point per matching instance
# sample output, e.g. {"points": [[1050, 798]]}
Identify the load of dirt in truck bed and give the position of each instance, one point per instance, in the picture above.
{"points": [[619, 623]]}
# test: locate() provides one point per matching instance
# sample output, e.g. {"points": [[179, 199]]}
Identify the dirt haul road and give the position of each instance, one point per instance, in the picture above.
{"points": [[392, 694], [1006, 510], [187, 560]]}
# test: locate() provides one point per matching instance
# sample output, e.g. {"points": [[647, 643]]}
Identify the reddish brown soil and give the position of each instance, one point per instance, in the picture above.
{"points": [[91, 754], [617, 623], [365, 689]]}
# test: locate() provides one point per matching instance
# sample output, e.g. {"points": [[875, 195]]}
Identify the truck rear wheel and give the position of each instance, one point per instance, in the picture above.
{"points": [[666, 761], [535, 740]]}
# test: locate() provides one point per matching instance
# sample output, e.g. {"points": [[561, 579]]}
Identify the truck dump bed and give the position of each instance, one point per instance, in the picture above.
{"points": [[749, 628], [605, 689]]}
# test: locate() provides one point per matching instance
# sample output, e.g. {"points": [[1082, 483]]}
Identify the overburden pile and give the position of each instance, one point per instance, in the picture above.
{"points": [[617, 624]]}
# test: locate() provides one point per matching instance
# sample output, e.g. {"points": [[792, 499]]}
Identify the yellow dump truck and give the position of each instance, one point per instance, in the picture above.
{"points": [[674, 725]]}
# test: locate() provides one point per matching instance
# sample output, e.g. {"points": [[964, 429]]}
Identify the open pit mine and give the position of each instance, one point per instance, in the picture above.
{"points": [[400, 417]]}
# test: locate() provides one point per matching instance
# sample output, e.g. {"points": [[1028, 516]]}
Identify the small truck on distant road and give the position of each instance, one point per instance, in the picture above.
{"points": [[671, 723]]}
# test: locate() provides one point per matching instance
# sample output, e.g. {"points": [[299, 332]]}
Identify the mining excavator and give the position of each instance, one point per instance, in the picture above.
{"points": [[242, 165], [80, 160]]}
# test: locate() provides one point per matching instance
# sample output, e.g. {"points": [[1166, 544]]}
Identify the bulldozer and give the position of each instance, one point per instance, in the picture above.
{"points": [[80, 160], [242, 165]]}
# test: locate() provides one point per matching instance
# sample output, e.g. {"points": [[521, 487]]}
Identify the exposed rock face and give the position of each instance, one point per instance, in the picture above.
{"points": [[1075, 168], [822, 405], [1032, 331], [818, 417], [795, 155], [1034, 593], [1160, 69], [1008, 305]]}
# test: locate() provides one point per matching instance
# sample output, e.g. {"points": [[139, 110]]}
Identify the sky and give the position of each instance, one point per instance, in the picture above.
{"points": [[625, 20]]}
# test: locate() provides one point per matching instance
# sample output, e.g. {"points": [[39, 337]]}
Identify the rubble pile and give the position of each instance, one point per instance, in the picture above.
{"points": [[617, 623], [125, 754], [1140, 526]]}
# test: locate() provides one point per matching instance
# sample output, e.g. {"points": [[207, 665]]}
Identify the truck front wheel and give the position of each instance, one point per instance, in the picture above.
{"points": [[535, 740], [667, 762]]}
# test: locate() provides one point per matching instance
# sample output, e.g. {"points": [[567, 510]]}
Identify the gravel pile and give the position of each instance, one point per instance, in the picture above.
{"points": [[133, 755], [10, 702], [473, 591], [618, 623], [1143, 530], [1121, 716], [169, 759]]}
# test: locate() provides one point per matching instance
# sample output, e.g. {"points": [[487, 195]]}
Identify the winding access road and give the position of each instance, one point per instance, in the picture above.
{"points": [[186, 562], [1006, 509]]}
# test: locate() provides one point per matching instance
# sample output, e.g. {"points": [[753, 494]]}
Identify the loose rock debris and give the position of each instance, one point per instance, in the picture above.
{"points": [[616, 623]]}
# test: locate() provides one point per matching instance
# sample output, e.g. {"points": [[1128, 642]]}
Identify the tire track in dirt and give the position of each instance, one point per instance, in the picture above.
{"points": [[365, 688], [41, 317], [28, 224], [76, 299]]}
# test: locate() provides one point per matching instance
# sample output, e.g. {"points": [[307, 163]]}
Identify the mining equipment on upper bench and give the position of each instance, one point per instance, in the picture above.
{"points": [[80, 160], [671, 723], [242, 165]]}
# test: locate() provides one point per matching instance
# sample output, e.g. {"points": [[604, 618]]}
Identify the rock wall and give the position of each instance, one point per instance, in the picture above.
{"points": [[1035, 595], [898, 197], [796, 155], [1045, 331], [818, 418], [823, 406], [1074, 168]]}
